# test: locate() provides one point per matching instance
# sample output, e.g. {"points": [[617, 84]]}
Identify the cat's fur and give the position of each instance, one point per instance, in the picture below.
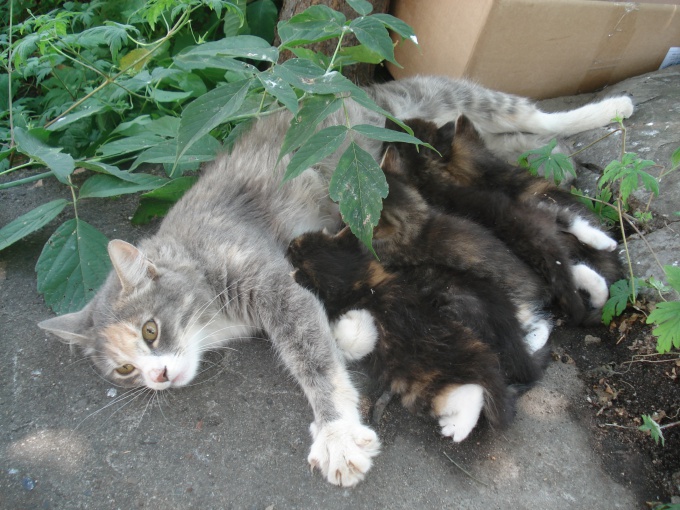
{"points": [[216, 269], [542, 224]]}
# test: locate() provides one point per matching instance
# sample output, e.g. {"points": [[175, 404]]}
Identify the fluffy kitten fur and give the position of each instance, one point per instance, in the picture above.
{"points": [[216, 269], [542, 224]]}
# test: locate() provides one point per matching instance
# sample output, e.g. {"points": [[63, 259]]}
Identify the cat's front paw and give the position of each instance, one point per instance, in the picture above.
{"points": [[459, 410], [355, 334], [343, 450], [623, 106]]}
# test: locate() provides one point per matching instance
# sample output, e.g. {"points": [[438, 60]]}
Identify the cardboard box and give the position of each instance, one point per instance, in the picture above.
{"points": [[536, 48]]}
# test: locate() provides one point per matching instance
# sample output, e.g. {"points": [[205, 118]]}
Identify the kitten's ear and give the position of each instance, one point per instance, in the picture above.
{"points": [[443, 140], [72, 327], [131, 266], [391, 162], [466, 129]]}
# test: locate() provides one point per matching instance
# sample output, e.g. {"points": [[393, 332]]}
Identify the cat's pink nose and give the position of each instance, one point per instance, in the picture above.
{"points": [[158, 375]]}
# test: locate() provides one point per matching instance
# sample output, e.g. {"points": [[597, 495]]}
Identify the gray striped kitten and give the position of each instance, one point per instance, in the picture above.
{"points": [[216, 269]]}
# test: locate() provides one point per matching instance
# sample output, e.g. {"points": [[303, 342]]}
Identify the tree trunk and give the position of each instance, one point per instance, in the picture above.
{"points": [[360, 74]]}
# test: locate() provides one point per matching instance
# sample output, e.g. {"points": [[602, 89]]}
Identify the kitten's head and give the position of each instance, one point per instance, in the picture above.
{"points": [[457, 144], [404, 210], [331, 266], [146, 326]]}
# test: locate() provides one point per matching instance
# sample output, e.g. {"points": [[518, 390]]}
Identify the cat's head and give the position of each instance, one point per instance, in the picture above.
{"points": [[331, 266], [146, 326]]}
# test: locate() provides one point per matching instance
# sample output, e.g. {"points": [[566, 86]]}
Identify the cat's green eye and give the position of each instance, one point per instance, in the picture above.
{"points": [[125, 369], [150, 331]]}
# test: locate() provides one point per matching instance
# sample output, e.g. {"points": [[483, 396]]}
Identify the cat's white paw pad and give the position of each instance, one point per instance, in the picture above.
{"points": [[538, 335], [355, 334], [343, 451], [595, 285], [592, 236], [460, 411]]}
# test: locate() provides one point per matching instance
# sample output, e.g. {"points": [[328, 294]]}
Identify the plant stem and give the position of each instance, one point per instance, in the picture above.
{"points": [[593, 143], [25, 165], [335, 53], [9, 74], [619, 209], [644, 239], [33, 178]]}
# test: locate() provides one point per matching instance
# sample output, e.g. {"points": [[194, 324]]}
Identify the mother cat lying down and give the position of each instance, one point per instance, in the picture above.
{"points": [[216, 269]]}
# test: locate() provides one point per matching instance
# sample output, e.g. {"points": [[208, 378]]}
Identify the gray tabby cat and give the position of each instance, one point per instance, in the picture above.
{"points": [[216, 270]]}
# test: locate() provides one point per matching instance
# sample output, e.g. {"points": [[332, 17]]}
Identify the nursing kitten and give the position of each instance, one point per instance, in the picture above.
{"points": [[437, 364], [216, 269], [542, 224]]}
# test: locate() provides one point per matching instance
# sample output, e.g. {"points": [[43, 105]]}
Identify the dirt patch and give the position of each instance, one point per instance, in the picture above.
{"points": [[625, 378]]}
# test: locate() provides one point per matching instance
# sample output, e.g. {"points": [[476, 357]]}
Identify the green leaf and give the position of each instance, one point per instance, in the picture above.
{"points": [[629, 171], [314, 110], [280, 90], [209, 111], [666, 316], [555, 165], [87, 110], [675, 158], [62, 165], [316, 23], [318, 147], [310, 77], [243, 46], [649, 425], [673, 276], [262, 16], [100, 186], [356, 54], [30, 222], [620, 294], [397, 26], [372, 33], [363, 7], [168, 96], [204, 149], [72, 266], [358, 185], [129, 145], [386, 135], [361, 97]]}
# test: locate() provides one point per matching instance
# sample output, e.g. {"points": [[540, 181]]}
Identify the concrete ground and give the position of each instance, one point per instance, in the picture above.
{"points": [[238, 438]]}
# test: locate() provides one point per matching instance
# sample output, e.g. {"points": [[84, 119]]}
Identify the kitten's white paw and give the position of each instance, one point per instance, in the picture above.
{"points": [[355, 334], [590, 281], [342, 450], [460, 412], [591, 236], [537, 335]]}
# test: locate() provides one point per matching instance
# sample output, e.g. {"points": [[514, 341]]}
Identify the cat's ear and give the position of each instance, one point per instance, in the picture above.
{"points": [[131, 266], [72, 327]]}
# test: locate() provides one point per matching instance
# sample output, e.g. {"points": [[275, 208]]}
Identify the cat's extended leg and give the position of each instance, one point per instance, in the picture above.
{"points": [[595, 285], [355, 334], [296, 322], [458, 409]]}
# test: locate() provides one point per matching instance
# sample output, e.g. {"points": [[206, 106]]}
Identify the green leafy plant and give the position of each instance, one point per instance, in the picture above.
{"points": [[109, 88], [619, 180]]}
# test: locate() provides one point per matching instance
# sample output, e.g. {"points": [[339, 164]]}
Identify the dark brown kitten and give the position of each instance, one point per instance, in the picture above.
{"points": [[437, 364], [543, 225]]}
